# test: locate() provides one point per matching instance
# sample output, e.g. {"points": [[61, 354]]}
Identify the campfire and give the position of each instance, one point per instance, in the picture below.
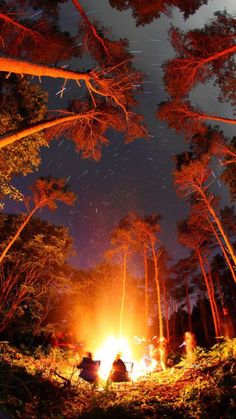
{"points": [[137, 366]]}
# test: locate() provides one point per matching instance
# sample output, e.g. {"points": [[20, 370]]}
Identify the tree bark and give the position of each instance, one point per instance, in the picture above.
{"points": [[10, 138], [17, 66], [146, 290], [209, 292], [122, 306], [188, 303], [160, 320], [219, 225], [90, 26], [22, 226], [223, 250]]}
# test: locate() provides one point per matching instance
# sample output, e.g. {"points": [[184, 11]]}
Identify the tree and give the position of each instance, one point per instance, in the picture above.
{"points": [[112, 81], [33, 278], [183, 271], [45, 193], [190, 235], [146, 231], [203, 54], [143, 230], [228, 151], [194, 178], [181, 116], [38, 39], [146, 11], [19, 100], [122, 243]]}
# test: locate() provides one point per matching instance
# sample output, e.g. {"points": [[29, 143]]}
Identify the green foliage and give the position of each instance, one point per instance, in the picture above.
{"points": [[35, 277], [50, 387], [21, 103]]}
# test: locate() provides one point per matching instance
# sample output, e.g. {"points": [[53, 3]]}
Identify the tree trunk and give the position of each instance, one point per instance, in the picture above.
{"points": [[160, 320], [12, 241], [209, 292], [17, 66], [10, 138], [223, 250], [217, 55], [166, 310], [90, 26], [219, 225], [146, 290], [188, 303], [122, 306], [203, 315], [20, 27]]}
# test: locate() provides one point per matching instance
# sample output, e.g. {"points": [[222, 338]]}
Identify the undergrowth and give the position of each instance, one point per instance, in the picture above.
{"points": [[46, 385]]}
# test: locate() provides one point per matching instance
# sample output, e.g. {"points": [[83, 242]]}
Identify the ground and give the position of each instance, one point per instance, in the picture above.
{"points": [[46, 385]]}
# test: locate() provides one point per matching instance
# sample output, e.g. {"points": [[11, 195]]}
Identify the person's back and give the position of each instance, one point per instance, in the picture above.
{"points": [[89, 369], [119, 372]]}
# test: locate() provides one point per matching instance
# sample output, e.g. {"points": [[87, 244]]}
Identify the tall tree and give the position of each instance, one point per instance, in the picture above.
{"points": [[33, 279], [144, 230], [20, 100], [190, 235], [194, 178], [181, 116], [45, 193], [145, 12], [203, 54], [122, 243]]}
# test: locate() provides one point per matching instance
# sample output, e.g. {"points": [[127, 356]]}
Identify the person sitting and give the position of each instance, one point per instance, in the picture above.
{"points": [[89, 368], [119, 372]]}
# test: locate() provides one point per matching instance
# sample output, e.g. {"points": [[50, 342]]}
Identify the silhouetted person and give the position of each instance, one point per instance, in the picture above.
{"points": [[119, 372], [89, 368]]}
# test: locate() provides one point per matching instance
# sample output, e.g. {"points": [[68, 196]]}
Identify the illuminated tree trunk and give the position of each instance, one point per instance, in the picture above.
{"points": [[90, 26], [20, 27], [17, 66], [219, 225], [122, 306], [216, 56], [160, 320], [188, 303], [203, 315], [22, 226], [214, 301], [146, 289], [209, 292], [166, 310], [10, 138], [223, 250], [219, 289]]}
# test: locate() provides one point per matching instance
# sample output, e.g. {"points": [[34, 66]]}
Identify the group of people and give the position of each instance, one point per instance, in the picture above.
{"points": [[89, 369]]}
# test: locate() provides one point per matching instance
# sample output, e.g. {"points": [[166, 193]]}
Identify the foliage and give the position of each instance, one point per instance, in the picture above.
{"points": [[33, 276], [146, 11], [46, 385]]}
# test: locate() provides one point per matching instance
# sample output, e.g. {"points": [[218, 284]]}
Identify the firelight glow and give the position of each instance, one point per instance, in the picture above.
{"points": [[108, 351]]}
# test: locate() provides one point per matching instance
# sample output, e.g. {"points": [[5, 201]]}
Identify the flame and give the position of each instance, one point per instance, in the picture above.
{"points": [[108, 351]]}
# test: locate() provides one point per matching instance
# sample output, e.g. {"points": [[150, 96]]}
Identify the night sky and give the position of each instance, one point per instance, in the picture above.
{"points": [[130, 177]]}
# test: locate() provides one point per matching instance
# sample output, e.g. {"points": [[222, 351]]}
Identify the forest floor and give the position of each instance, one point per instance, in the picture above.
{"points": [[47, 386]]}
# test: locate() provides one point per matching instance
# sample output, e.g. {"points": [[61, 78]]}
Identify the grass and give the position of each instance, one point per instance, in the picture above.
{"points": [[46, 385]]}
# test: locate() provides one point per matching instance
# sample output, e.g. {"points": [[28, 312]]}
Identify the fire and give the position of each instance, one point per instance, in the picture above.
{"points": [[108, 351]]}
